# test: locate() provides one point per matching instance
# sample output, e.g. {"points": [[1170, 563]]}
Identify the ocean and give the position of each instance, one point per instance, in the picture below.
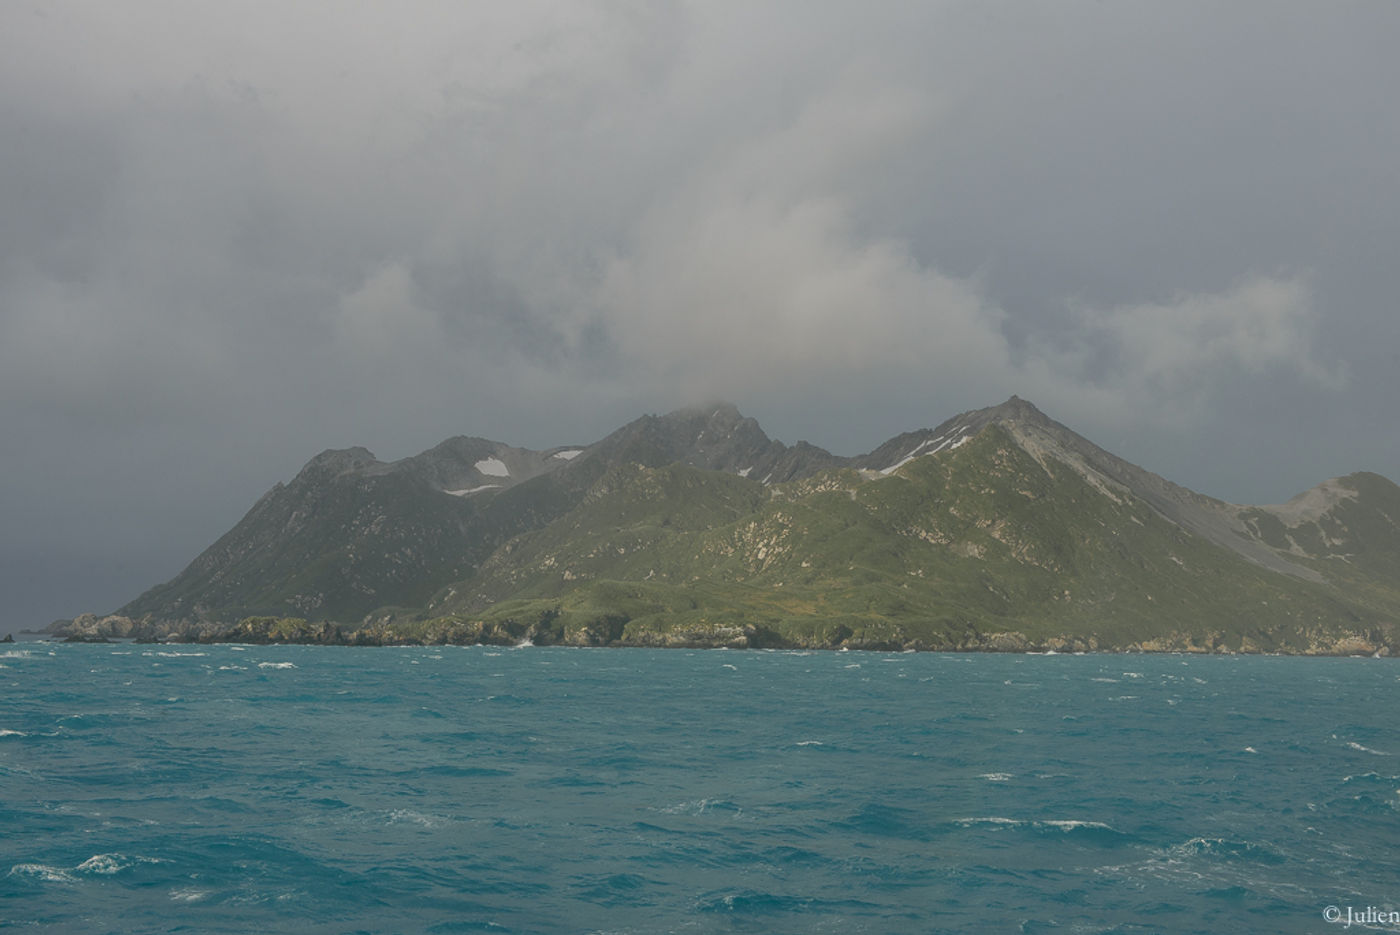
{"points": [[293, 789]]}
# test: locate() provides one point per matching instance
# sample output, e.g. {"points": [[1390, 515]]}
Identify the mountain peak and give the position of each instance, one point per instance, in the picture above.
{"points": [[714, 436], [335, 461], [1014, 411], [717, 411], [1018, 408]]}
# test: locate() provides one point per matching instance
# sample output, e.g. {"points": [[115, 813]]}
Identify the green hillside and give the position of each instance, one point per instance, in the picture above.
{"points": [[981, 548], [1000, 529]]}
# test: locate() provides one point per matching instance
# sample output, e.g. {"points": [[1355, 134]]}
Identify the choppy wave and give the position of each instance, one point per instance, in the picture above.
{"points": [[108, 864], [409, 816], [751, 902], [1226, 849], [1043, 826], [43, 872], [1364, 749], [101, 865], [701, 807], [557, 791]]}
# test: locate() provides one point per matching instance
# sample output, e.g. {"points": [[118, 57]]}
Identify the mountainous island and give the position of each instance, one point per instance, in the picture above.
{"points": [[999, 530]]}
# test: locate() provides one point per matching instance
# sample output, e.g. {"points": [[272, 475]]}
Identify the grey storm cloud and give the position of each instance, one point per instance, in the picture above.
{"points": [[232, 235]]}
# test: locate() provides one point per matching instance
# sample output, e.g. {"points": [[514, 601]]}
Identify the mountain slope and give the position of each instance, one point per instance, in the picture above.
{"points": [[998, 529], [347, 535], [351, 534], [987, 545]]}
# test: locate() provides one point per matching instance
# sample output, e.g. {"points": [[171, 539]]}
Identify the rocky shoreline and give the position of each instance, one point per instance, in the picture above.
{"points": [[90, 628]]}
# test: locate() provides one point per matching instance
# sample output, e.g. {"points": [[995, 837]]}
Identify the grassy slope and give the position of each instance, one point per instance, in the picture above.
{"points": [[322, 550], [338, 548], [943, 553]]}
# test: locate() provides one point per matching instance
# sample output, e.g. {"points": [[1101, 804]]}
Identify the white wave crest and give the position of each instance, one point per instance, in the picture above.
{"points": [[1356, 746], [42, 872], [105, 864], [108, 864], [408, 815], [99, 864], [1059, 824], [699, 807], [276, 665]]}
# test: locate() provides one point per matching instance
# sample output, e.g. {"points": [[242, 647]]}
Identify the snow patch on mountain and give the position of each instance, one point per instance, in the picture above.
{"points": [[469, 490], [494, 467], [950, 441], [569, 455]]}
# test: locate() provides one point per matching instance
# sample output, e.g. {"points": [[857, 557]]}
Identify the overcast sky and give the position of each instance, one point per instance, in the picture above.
{"points": [[234, 234]]}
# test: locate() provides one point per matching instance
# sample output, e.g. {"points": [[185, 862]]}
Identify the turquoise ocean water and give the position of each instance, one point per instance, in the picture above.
{"points": [[448, 789]]}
